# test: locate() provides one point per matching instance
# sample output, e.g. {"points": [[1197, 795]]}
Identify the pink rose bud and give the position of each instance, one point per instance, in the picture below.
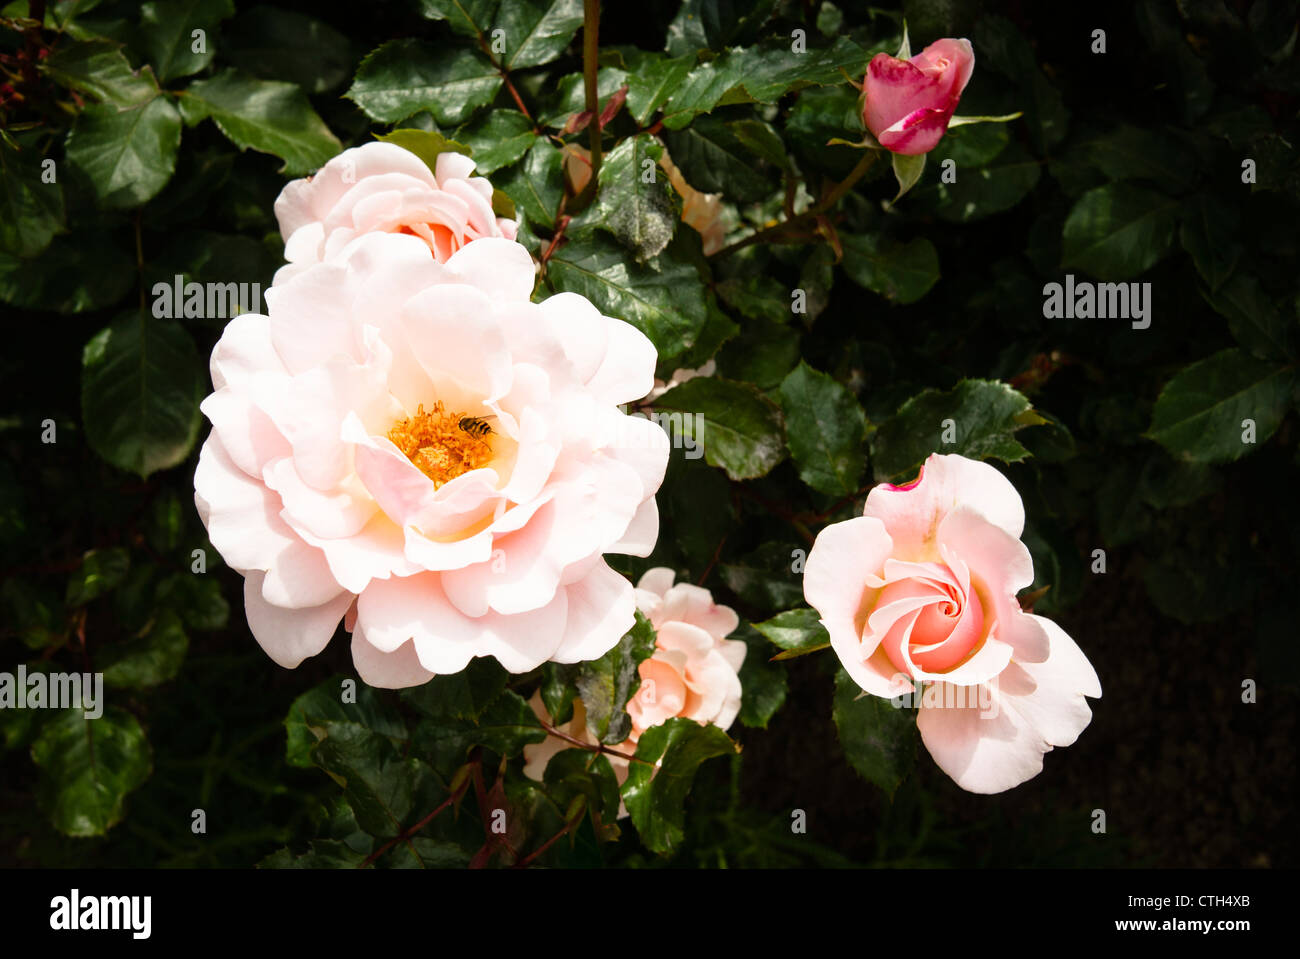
{"points": [[909, 102]]}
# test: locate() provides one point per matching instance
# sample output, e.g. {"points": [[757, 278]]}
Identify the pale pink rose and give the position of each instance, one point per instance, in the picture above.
{"points": [[909, 102], [382, 188], [922, 589], [693, 673], [343, 477]]}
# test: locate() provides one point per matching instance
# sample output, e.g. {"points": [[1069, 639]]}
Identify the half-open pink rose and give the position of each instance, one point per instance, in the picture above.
{"points": [[693, 672], [380, 187], [909, 102], [921, 589], [417, 446]]}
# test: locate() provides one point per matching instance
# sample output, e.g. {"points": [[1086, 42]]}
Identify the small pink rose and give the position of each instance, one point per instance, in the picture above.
{"points": [[694, 672], [909, 102], [382, 188], [921, 589]]}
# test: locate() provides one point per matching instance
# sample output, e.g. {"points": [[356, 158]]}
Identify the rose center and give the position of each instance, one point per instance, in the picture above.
{"points": [[946, 625], [443, 445]]}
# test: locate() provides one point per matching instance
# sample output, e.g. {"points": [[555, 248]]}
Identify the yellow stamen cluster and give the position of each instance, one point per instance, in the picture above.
{"points": [[438, 447]]}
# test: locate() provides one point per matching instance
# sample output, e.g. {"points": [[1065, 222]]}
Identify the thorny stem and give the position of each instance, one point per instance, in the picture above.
{"points": [[767, 233], [528, 860], [712, 562], [406, 835], [590, 54], [510, 86], [561, 223], [596, 748], [519, 101]]}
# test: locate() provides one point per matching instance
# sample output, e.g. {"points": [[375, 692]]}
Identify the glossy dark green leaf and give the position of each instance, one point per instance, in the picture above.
{"points": [[167, 34], [497, 140], [577, 772], [824, 428], [537, 184], [763, 356], [713, 159], [263, 115], [462, 695], [879, 740], [663, 298], [320, 854], [403, 77], [979, 416], [795, 630], [153, 657], [536, 31], [340, 700], [379, 783], [506, 726], [1202, 413], [607, 683], [981, 191], [469, 18], [88, 767], [657, 786], [558, 691], [141, 383], [31, 210], [763, 683], [1254, 318], [1119, 230], [701, 90], [739, 428], [1128, 152], [715, 24], [126, 155], [772, 69], [1208, 233], [100, 68], [634, 202], [901, 272], [652, 79]]}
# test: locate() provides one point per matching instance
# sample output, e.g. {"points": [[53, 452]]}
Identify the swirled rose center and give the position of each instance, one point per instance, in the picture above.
{"points": [[443, 445], [442, 241], [938, 620]]}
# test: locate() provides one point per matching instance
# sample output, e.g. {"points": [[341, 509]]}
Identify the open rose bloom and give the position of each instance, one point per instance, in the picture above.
{"points": [[921, 589], [415, 446], [908, 103], [693, 672], [380, 187]]}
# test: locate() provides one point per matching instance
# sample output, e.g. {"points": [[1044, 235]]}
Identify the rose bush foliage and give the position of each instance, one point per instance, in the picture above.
{"points": [[817, 259]]}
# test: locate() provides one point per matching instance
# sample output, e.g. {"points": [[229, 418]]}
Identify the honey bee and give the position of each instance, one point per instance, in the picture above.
{"points": [[476, 426]]}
